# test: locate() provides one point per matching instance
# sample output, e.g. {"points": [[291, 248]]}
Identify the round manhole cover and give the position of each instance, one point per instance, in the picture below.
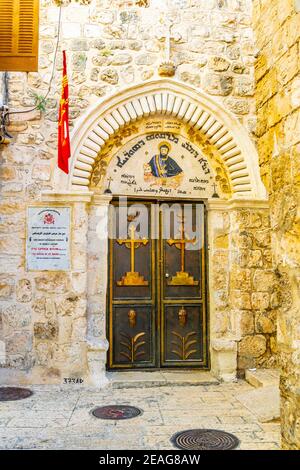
{"points": [[204, 439], [14, 393], [116, 412]]}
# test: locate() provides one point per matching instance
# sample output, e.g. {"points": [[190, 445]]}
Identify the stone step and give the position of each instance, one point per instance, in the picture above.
{"points": [[143, 379], [264, 402], [262, 377]]}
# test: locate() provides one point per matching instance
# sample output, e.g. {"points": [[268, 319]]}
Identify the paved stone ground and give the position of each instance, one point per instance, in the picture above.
{"points": [[59, 418]]}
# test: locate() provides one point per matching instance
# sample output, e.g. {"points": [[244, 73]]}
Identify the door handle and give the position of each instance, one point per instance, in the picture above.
{"points": [[167, 275]]}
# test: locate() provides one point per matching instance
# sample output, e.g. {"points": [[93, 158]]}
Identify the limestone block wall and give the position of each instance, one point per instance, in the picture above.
{"points": [[244, 290], [253, 289], [43, 314], [277, 28]]}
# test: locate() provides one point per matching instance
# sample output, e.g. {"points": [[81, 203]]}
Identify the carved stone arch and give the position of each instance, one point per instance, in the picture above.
{"points": [[167, 98]]}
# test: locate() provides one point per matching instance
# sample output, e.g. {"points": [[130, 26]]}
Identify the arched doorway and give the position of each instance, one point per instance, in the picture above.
{"points": [[125, 132]]}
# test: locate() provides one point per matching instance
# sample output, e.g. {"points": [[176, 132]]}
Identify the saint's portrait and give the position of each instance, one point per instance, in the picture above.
{"points": [[162, 168]]}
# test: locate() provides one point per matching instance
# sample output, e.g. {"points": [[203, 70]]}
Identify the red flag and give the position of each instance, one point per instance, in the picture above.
{"points": [[64, 151]]}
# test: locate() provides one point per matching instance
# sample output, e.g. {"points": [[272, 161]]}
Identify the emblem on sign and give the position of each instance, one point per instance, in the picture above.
{"points": [[49, 218]]}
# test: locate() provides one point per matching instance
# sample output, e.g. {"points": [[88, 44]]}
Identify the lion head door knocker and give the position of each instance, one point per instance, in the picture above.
{"points": [[132, 318], [182, 316]]}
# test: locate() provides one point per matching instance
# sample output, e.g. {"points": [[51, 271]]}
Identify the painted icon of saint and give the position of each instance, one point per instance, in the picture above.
{"points": [[162, 169]]}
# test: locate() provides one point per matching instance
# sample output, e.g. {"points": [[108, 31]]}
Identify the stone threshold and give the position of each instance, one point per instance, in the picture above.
{"points": [[143, 379]]}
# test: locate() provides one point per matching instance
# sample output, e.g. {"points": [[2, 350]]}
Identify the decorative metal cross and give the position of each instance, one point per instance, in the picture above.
{"points": [[108, 190], [132, 244], [215, 194], [180, 243]]}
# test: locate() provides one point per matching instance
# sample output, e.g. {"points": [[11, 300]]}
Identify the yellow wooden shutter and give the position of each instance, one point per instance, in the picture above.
{"points": [[19, 32]]}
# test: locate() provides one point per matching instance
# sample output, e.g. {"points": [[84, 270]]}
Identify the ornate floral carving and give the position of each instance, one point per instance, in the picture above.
{"points": [[99, 172]]}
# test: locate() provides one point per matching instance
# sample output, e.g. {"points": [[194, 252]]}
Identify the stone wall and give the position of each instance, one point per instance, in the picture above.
{"points": [[277, 27], [43, 314], [243, 289]]}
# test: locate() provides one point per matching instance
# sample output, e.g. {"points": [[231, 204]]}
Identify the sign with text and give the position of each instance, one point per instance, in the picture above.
{"points": [[48, 239]]}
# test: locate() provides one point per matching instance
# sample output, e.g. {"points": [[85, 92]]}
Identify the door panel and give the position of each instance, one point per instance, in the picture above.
{"points": [[132, 257], [133, 336], [132, 315], [183, 284], [182, 334], [156, 298]]}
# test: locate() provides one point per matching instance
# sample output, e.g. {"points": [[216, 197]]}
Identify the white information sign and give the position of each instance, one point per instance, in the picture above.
{"points": [[48, 239]]}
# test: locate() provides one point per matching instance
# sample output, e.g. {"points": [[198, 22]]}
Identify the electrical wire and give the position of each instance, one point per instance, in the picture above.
{"points": [[6, 115]]}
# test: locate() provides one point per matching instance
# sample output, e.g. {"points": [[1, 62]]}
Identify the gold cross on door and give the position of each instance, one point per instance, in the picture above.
{"points": [[182, 278], [132, 278]]}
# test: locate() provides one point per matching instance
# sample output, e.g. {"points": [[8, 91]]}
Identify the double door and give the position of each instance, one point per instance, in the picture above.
{"points": [[157, 287]]}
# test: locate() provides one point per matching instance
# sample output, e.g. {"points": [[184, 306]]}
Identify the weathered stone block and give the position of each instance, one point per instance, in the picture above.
{"points": [[44, 353], [288, 66], [260, 300], [69, 306], [243, 321], [238, 67], [240, 279], [252, 346], [262, 238], [7, 172], [265, 322], [238, 106], [19, 342], [24, 290], [266, 87], [218, 64], [79, 61], [53, 282], [146, 59], [220, 278], [189, 77], [12, 187], [242, 239], [240, 300], [255, 259], [97, 44], [15, 317], [224, 359], [221, 240], [109, 76], [6, 287], [264, 280], [218, 84], [78, 45], [121, 59], [244, 86], [46, 330]]}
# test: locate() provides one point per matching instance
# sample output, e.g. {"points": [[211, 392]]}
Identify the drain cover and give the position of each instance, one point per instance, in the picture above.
{"points": [[14, 393], [204, 439], [116, 412]]}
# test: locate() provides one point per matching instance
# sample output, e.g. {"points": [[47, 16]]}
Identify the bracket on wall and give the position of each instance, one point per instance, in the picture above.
{"points": [[5, 137]]}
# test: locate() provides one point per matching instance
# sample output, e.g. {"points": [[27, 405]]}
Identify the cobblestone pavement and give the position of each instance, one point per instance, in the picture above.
{"points": [[60, 418]]}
